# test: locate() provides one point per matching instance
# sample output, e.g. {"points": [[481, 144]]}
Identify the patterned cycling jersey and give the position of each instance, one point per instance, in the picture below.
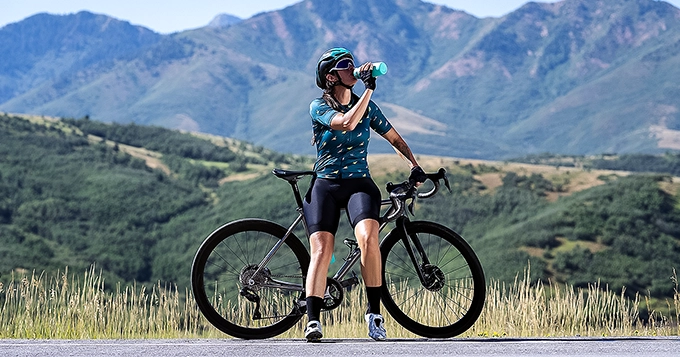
{"points": [[342, 154]]}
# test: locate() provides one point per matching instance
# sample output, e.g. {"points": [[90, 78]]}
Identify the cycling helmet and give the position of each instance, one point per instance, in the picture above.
{"points": [[327, 62]]}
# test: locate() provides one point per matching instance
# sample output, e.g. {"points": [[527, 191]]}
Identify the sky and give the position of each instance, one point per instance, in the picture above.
{"points": [[177, 15]]}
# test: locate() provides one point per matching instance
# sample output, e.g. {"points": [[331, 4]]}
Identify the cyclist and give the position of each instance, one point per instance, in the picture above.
{"points": [[341, 123]]}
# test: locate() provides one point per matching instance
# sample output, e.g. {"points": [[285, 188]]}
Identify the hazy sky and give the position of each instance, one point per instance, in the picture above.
{"points": [[176, 15]]}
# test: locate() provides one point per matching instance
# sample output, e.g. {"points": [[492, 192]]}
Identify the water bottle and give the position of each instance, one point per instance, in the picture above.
{"points": [[379, 68]]}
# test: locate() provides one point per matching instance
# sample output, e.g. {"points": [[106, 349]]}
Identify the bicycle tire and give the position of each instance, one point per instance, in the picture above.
{"points": [[221, 261], [454, 299]]}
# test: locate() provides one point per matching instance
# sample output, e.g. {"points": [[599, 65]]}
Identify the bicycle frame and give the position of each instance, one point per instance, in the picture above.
{"points": [[397, 211]]}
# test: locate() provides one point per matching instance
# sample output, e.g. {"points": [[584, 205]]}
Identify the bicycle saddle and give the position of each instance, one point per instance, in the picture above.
{"points": [[291, 176]]}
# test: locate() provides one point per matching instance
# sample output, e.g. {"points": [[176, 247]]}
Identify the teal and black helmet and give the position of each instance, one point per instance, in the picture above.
{"points": [[327, 62]]}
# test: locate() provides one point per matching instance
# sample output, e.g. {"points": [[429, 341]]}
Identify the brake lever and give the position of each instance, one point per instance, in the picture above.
{"points": [[412, 194], [446, 182], [410, 206], [440, 175]]}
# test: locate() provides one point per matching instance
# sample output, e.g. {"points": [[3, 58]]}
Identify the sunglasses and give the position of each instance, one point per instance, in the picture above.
{"points": [[345, 63]]}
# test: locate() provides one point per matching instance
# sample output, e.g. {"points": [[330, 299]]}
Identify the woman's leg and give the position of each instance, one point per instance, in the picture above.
{"points": [[321, 250], [322, 215], [366, 232], [363, 209]]}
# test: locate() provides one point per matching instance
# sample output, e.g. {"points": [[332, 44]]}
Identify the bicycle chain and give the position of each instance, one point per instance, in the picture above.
{"points": [[287, 276]]}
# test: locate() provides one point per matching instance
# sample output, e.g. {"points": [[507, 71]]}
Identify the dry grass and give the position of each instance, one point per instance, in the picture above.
{"points": [[526, 310], [77, 307], [72, 307], [152, 159]]}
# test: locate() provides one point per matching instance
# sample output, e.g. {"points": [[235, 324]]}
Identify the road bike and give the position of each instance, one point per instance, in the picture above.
{"points": [[248, 275]]}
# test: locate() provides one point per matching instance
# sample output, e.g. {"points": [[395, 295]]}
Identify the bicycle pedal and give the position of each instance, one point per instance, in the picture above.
{"points": [[300, 308], [349, 282], [351, 243]]}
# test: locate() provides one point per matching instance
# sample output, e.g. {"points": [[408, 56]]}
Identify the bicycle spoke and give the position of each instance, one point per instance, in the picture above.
{"points": [[442, 305], [445, 298], [404, 257], [405, 267], [242, 253], [412, 299], [231, 267], [233, 253], [453, 260]]}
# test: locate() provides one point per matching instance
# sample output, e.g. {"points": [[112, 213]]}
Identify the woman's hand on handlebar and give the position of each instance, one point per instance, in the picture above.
{"points": [[418, 176], [408, 188]]}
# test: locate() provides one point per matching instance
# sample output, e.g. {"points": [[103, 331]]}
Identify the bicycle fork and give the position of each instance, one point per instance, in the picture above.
{"points": [[431, 276]]}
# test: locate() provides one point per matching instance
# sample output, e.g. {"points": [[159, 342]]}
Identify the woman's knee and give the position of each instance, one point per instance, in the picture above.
{"points": [[321, 244], [367, 233]]}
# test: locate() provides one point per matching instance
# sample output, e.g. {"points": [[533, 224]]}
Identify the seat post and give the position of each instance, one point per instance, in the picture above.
{"points": [[296, 192], [293, 177]]}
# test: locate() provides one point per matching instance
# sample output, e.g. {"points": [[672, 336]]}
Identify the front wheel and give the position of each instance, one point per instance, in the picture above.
{"points": [[238, 297], [447, 297]]}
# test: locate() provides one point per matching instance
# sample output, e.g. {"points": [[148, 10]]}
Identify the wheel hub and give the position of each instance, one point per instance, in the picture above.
{"points": [[253, 281], [434, 279]]}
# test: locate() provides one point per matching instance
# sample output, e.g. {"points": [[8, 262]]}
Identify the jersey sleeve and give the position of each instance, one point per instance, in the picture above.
{"points": [[321, 112], [379, 122]]}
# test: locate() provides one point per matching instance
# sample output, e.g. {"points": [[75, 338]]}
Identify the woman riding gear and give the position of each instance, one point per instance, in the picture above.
{"points": [[376, 327], [417, 175], [313, 331], [328, 62], [368, 79]]}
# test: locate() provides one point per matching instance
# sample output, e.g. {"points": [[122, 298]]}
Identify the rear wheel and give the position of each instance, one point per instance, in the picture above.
{"points": [[449, 298], [233, 295]]}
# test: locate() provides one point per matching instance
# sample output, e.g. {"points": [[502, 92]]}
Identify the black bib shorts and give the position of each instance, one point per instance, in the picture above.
{"points": [[327, 197]]}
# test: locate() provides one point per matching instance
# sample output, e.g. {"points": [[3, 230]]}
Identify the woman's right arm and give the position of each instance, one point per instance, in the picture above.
{"points": [[348, 121]]}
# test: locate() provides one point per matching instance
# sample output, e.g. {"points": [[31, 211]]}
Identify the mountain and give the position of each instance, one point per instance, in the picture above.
{"points": [[46, 52], [571, 77], [224, 20]]}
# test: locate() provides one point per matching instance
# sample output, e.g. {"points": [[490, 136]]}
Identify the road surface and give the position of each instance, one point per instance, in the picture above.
{"points": [[506, 347]]}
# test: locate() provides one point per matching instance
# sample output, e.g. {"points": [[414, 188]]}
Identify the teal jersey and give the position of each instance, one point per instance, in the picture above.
{"points": [[342, 154]]}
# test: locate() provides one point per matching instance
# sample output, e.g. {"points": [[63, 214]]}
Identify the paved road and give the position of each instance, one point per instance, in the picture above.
{"points": [[657, 347]]}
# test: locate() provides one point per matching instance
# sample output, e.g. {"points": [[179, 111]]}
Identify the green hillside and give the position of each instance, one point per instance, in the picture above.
{"points": [[70, 198], [80, 192]]}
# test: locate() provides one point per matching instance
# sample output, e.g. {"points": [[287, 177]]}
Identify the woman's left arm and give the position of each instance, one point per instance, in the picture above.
{"points": [[401, 147]]}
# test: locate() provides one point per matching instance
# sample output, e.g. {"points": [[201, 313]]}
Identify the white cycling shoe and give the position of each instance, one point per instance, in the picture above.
{"points": [[313, 331], [376, 328]]}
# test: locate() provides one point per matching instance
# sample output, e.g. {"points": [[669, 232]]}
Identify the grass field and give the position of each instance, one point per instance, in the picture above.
{"points": [[76, 306]]}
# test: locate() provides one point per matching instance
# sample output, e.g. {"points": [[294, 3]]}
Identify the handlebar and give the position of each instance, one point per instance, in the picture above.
{"points": [[400, 193]]}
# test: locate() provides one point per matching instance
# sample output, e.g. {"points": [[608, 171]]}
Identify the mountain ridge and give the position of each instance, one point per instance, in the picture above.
{"points": [[224, 20], [571, 77]]}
